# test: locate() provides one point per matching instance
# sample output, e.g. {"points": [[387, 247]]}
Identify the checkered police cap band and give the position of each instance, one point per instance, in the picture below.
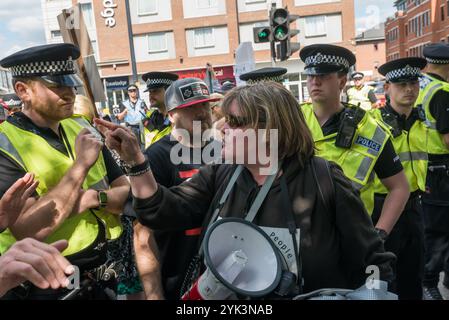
{"points": [[154, 82], [42, 68], [406, 72], [275, 79], [437, 61], [326, 59]]}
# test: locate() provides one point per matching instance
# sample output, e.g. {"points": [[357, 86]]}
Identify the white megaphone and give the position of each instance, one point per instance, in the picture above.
{"points": [[240, 259]]}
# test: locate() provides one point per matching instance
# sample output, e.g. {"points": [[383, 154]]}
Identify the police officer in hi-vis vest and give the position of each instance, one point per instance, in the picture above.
{"points": [[409, 136], [434, 98], [349, 136], [157, 125], [81, 190], [360, 94]]}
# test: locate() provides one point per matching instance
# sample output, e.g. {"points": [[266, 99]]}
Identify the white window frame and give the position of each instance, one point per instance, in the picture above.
{"points": [[206, 45], [315, 35], [139, 13], [159, 50], [198, 5]]}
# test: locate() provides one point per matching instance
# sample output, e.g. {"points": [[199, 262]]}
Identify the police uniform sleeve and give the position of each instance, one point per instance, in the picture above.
{"points": [[388, 163], [10, 172], [439, 108], [181, 207], [360, 245]]}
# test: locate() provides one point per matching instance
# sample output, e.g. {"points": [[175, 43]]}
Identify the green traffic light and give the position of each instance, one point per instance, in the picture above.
{"points": [[281, 33], [263, 35]]}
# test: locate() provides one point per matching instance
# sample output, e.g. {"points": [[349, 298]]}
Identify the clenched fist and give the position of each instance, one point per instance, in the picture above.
{"points": [[87, 148]]}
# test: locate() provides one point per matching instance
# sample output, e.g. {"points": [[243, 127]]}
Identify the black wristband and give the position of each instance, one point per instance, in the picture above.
{"points": [[139, 168], [382, 234]]}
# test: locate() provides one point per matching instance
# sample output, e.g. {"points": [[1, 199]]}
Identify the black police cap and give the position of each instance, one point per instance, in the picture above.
{"points": [[264, 74], [157, 79], [53, 62], [357, 75], [403, 70], [322, 59], [437, 53]]}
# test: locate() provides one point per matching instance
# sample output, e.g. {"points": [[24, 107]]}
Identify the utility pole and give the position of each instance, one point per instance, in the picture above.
{"points": [[131, 42]]}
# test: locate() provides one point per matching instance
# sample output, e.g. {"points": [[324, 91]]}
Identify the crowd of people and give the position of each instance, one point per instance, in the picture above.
{"points": [[123, 206]]}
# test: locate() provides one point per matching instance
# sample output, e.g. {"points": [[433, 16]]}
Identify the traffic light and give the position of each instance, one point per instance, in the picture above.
{"points": [[280, 20], [261, 34]]}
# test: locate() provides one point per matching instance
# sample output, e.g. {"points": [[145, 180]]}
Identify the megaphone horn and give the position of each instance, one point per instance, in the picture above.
{"points": [[240, 259]]}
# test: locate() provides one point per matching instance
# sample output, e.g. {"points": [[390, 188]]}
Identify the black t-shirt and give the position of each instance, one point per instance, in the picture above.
{"points": [[387, 165], [10, 171], [439, 107], [176, 248]]}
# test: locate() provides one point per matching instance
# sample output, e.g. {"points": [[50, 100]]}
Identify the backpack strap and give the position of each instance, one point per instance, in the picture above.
{"points": [[325, 184]]}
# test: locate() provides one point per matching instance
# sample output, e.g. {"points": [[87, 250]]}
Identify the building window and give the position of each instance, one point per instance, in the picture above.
{"points": [[146, 7], [55, 34], [88, 15], [157, 42], [204, 38], [315, 26], [206, 4], [443, 13]]}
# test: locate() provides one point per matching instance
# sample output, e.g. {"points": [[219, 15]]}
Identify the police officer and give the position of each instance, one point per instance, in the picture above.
{"points": [[81, 190], [349, 136], [157, 125], [434, 98], [409, 137], [361, 94], [133, 112]]}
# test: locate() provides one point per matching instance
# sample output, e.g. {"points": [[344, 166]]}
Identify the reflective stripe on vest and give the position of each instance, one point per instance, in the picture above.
{"points": [[357, 162], [430, 86], [49, 166]]}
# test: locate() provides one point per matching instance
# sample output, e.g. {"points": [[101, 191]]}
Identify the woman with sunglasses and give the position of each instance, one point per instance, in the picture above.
{"points": [[337, 241]]}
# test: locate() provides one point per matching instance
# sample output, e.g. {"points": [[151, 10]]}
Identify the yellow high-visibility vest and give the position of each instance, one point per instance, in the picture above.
{"points": [[358, 161], [34, 154], [429, 87], [411, 147]]}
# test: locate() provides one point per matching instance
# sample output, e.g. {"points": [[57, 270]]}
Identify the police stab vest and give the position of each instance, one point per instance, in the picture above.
{"points": [[429, 87], [35, 155], [359, 160], [411, 147]]}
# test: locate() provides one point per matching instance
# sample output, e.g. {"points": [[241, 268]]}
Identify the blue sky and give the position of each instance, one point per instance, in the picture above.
{"points": [[21, 23]]}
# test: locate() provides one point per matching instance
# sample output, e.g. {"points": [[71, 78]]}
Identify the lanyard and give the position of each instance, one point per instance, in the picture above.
{"points": [[286, 202]]}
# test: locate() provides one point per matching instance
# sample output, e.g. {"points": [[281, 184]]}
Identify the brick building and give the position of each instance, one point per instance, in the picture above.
{"points": [[182, 35], [415, 24]]}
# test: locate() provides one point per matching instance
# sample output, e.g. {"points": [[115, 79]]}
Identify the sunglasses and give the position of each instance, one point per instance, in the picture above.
{"points": [[238, 122], [132, 90]]}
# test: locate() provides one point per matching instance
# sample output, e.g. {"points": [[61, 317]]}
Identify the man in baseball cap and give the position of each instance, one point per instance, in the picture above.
{"points": [[186, 101]]}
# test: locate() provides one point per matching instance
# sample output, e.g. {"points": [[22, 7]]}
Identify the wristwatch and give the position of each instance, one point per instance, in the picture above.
{"points": [[102, 199]]}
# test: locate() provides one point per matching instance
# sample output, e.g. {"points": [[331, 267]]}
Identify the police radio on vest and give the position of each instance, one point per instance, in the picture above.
{"points": [[108, 13]]}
